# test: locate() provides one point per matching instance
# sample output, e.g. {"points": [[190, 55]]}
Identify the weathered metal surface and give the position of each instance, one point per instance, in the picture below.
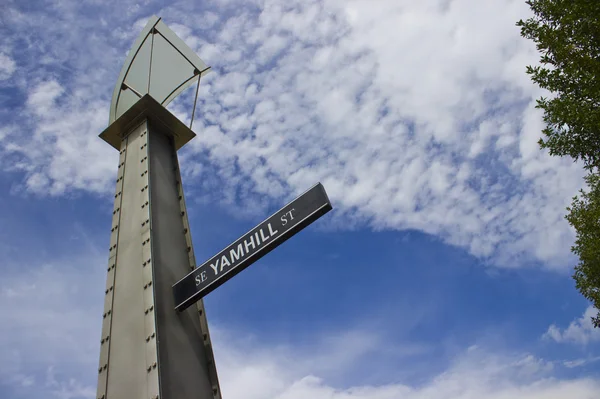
{"points": [[127, 375], [201, 312], [183, 358], [151, 350], [147, 108]]}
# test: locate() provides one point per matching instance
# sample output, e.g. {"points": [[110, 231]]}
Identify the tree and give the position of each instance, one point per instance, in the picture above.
{"points": [[584, 216], [567, 34]]}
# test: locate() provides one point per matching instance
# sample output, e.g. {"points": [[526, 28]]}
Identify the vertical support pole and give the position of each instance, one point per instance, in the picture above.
{"points": [[110, 278], [148, 350], [212, 368]]}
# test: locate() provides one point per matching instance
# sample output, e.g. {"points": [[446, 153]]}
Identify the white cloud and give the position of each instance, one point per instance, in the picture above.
{"points": [[580, 331], [7, 66], [414, 115], [51, 322], [50, 326], [64, 152], [49, 342], [266, 373], [580, 362]]}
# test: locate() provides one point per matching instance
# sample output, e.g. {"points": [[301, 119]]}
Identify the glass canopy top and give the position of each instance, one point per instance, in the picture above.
{"points": [[159, 64]]}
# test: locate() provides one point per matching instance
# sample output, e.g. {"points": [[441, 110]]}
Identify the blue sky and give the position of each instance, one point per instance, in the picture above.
{"points": [[444, 269]]}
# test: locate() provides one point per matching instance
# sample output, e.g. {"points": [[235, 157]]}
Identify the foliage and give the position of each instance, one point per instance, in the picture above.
{"points": [[567, 34], [584, 216]]}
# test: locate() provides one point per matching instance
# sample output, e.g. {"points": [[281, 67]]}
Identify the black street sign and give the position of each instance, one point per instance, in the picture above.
{"points": [[252, 246]]}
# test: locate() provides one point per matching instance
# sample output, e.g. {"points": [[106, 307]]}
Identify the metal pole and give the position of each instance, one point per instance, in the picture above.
{"points": [[195, 98]]}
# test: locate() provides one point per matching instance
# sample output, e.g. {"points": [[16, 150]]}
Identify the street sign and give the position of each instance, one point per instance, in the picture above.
{"points": [[252, 246]]}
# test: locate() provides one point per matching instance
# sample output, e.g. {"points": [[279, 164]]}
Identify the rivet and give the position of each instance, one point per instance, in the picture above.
{"points": [[106, 292], [189, 249], [149, 368], [185, 231], [149, 283], [182, 213], [205, 336], [105, 366], [180, 197], [200, 311], [154, 365], [104, 316], [145, 286], [146, 311], [99, 369], [148, 338], [143, 223], [102, 341], [152, 335], [110, 288]]}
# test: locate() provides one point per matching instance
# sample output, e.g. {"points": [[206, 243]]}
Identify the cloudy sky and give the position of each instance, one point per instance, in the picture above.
{"points": [[444, 269]]}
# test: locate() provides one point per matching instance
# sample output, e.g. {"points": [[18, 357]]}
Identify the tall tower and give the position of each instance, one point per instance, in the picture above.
{"points": [[148, 350]]}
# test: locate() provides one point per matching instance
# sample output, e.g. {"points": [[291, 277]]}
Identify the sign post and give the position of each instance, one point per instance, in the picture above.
{"points": [[154, 344]]}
